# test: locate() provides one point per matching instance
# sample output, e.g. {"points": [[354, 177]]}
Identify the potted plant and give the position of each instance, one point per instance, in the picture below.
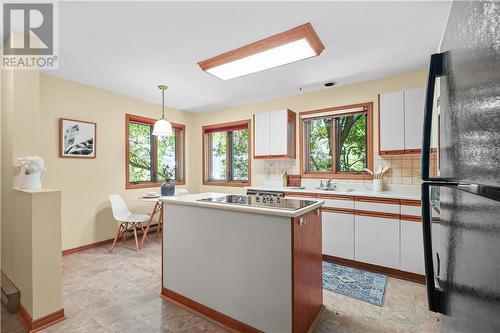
{"points": [[32, 170], [168, 187]]}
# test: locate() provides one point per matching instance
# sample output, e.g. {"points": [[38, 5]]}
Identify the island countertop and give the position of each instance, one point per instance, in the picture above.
{"points": [[192, 200]]}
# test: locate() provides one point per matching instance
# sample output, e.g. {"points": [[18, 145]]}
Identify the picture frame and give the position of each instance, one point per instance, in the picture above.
{"points": [[77, 138]]}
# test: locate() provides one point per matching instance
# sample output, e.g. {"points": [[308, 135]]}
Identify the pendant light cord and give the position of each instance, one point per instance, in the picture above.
{"points": [[163, 104]]}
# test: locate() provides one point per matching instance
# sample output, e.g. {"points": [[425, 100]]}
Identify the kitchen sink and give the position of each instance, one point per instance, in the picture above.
{"points": [[333, 189]]}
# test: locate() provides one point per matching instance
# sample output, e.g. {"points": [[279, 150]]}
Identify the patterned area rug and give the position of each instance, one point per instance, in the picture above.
{"points": [[365, 286]]}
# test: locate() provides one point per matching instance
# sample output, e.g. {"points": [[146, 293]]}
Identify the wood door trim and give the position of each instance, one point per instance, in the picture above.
{"points": [[411, 218], [336, 197], [31, 325], [338, 210], [415, 203], [388, 201], [376, 214], [208, 312], [403, 275]]}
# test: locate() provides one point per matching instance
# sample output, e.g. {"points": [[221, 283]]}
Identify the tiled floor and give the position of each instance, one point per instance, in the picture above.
{"points": [[119, 292]]}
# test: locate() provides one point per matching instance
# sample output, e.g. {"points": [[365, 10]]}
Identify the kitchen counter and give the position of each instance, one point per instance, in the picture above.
{"points": [[253, 269], [192, 200], [390, 194]]}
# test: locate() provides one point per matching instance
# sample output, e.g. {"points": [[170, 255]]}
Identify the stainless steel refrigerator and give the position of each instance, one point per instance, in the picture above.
{"points": [[461, 171]]}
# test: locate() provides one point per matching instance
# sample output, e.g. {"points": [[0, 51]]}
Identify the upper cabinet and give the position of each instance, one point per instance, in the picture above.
{"points": [[401, 116], [274, 134]]}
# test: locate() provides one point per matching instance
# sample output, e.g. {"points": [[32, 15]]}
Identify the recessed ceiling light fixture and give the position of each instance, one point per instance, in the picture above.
{"points": [[292, 45]]}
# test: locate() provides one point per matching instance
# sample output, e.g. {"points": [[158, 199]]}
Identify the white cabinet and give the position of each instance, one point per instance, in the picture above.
{"points": [[338, 234], [414, 117], [262, 135], [278, 137], [401, 121], [377, 240], [274, 134], [412, 248], [392, 121]]}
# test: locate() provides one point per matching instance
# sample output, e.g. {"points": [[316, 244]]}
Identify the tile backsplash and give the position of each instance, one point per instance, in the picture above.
{"points": [[405, 169]]}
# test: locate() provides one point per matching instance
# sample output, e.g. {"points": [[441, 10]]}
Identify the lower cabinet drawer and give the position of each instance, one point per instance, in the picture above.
{"points": [[338, 234], [412, 248], [377, 240]]}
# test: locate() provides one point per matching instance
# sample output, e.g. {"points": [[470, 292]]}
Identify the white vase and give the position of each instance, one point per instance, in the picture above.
{"points": [[30, 181], [378, 185]]}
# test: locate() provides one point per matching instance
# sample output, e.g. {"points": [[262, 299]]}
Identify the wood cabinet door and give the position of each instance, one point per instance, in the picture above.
{"points": [[377, 240], [278, 121], [338, 234], [414, 117], [391, 119], [412, 248], [262, 134]]}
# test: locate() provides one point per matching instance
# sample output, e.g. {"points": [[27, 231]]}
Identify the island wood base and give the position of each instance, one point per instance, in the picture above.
{"points": [[209, 312]]}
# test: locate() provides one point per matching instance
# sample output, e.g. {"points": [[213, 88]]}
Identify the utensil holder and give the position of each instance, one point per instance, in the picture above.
{"points": [[378, 185]]}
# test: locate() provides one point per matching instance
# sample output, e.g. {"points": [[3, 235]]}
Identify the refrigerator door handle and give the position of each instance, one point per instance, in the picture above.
{"points": [[436, 69], [434, 295]]}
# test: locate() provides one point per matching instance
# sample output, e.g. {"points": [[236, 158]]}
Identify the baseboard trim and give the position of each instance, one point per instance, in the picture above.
{"points": [[208, 312], [31, 325], [92, 245], [403, 275]]}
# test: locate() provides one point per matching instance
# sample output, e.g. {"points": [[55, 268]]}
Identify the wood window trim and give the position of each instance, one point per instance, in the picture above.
{"points": [[150, 121], [369, 143], [205, 169]]}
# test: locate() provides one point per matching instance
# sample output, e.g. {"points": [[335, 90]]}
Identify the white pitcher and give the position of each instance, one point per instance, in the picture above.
{"points": [[30, 181]]}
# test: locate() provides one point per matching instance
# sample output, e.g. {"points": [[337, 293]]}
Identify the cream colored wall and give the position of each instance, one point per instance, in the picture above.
{"points": [[20, 137], [31, 241], [86, 183], [337, 96]]}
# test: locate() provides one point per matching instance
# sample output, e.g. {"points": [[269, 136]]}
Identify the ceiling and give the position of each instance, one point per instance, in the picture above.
{"points": [[131, 47]]}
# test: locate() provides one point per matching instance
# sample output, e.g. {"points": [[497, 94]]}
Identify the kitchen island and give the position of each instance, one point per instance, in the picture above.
{"points": [[254, 266]]}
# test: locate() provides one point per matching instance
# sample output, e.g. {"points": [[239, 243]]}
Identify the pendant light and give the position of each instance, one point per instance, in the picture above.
{"points": [[162, 126]]}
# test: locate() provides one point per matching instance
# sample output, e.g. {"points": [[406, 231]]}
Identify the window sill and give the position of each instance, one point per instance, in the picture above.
{"points": [[223, 183], [129, 186], [346, 175]]}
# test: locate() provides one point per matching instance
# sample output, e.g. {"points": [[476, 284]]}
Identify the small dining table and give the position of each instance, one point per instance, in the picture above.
{"points": [[157, 209]]}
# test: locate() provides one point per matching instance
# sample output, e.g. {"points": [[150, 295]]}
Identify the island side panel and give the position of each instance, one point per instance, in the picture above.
{"points": [[307, 270], [236, 263]]}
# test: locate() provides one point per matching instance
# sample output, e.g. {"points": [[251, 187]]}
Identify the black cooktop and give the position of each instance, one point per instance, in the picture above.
{"points": [[262, 202]]}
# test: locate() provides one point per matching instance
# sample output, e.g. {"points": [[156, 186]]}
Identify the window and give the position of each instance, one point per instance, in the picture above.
{"points": [[226, 154], [337, 142], [150, 159]]}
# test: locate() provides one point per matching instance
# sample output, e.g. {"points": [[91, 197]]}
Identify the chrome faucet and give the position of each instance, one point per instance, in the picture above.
{"points": [[329, 184]]}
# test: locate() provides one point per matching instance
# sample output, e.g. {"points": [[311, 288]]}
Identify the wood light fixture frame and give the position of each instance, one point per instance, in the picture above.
{"points": [[304, 31]]}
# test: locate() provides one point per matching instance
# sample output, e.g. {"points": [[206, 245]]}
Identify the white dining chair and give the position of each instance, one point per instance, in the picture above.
{"points": [[127, 221]]}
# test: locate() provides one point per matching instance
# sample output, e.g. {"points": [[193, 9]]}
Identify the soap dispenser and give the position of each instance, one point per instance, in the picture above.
{"points": [[284, 178]]}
